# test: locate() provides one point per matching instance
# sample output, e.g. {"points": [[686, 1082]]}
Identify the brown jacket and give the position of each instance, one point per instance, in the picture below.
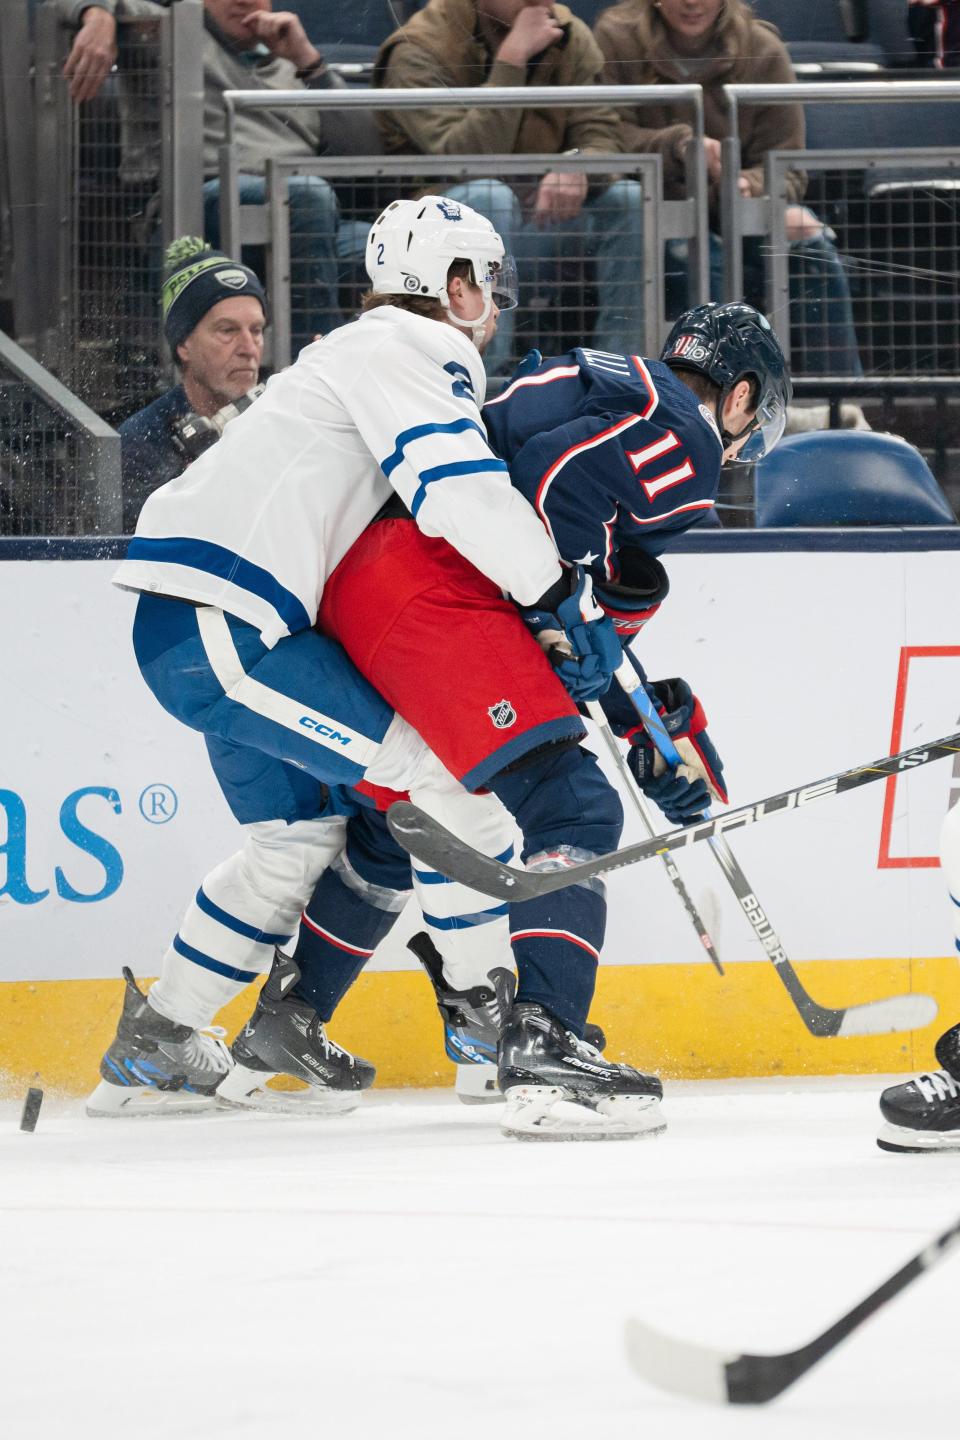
{"points": [[441, 45], [636, 46]]}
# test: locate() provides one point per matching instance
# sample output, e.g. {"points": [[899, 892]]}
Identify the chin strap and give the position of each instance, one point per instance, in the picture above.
{"points": [[478, 327]]}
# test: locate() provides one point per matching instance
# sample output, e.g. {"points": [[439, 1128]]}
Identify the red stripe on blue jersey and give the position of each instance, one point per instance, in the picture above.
{"points": [[678, 510], [610, 433], [555, 935], [333, 939], [561, 372], [652, 391]]}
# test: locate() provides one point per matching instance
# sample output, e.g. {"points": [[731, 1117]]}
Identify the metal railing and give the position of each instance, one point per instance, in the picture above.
{"points": [[59, 462], [117, 178], [566, 298], [566, 293], [898, 242]]}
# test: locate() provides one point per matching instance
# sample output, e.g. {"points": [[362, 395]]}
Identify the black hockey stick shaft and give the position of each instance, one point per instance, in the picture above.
{"points": [[422, 836], [819, 1020], [595, 711], [754, 1379]]}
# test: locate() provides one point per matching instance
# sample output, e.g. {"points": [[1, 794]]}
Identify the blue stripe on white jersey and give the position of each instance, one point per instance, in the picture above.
{"points": [[417, 432], [226, 565], [456, 467]]}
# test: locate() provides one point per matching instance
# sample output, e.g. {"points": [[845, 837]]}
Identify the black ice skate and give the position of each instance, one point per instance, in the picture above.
{"points": [[559, 1088], [156, 1066], [924, 1113], [285, 1036], [472, 1020]]}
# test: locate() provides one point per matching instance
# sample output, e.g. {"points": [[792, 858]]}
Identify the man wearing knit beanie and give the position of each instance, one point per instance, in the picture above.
{"points": [[214, 314]]}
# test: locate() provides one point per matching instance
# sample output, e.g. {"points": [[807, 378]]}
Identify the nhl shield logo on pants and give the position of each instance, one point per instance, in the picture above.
{"points": [[502, 714]]}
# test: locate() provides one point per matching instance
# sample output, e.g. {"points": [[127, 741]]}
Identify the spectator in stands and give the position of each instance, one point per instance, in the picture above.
{"points": [[712, 44], [516, 43], [214, 316], [248, 47]]}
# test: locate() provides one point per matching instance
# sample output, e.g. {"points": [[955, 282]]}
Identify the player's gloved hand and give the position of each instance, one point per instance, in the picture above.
{"points": [[584, 651], [685, 793], [636, 593], [530, 362]]}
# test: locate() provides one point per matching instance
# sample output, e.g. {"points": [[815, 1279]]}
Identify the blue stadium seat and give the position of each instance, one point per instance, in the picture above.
{"points": [[841, 31], [848, 477], [588, 10], [360, 22], [882, 126]]}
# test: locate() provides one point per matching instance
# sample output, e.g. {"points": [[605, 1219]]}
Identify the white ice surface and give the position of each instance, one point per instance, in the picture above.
{"points": [[407, 1272]]}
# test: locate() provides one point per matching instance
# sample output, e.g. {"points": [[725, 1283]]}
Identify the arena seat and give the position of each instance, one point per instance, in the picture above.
{"points": [[839, 32], [365, 23], [848, 477]]}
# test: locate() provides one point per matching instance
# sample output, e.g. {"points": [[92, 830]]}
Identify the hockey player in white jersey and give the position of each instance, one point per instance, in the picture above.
{"points": [[230, 560], [923, 1114]]}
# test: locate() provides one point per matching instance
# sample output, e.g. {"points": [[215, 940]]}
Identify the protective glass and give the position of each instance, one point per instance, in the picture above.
{"points": [[765, 430], [506, 284]]}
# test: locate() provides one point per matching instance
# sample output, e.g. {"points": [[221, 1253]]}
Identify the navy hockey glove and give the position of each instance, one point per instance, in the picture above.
{"points": [[584, 653], [635, 594], [685, 793]]}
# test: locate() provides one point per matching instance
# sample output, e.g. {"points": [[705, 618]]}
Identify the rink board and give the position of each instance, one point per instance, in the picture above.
{"points": [[807, 662]]}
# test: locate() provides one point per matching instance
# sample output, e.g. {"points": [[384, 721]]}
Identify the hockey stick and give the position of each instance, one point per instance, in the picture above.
{"points": [[438, 847], [726, 1378], [595, 711], [874, 1017]]}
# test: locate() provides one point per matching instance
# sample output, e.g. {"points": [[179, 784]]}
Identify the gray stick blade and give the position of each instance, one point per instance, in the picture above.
{"points": [[695, 1371], [438, 847], [882, 1017]]}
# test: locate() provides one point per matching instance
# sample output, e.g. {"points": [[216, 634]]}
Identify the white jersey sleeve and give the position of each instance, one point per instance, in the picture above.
{"points": [[416, 407]]}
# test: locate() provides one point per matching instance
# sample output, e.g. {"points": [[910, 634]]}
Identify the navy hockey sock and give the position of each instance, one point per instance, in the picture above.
{"points": [[566, 810], [338, 933]]}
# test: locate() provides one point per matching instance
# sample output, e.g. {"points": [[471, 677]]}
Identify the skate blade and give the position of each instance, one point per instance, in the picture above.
{"points": [[477, 1085], [113, 1102], [244, 1089], [899, 1140], [547, 1112]]}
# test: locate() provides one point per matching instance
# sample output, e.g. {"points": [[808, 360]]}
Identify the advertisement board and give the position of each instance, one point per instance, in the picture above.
{"points": [[806, 664]]}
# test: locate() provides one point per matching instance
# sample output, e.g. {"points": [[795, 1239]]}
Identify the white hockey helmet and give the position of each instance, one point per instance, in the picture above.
{"points": [[413, 243]]}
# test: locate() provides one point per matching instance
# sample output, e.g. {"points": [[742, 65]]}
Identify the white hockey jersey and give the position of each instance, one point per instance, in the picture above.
{"points": [[258, 522]]}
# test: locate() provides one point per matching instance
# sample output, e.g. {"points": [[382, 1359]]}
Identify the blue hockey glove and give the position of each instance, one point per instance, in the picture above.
{"points": [[584, 652], [685, 793]]}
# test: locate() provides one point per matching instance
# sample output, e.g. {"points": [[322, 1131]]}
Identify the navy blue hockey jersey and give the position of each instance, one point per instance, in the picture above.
{"points": [[610, 450]]}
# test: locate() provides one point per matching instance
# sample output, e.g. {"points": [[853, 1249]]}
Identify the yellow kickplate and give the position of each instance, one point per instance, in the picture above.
{"points": [[681, 1021]]}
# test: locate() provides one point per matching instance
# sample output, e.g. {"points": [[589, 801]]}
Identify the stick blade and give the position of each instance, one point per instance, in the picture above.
{"points": [[883, 1017], [429, 841], [696, 1371]]}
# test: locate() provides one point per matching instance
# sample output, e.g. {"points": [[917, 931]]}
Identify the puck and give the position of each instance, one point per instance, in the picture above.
{"points": [[31, 1109]]}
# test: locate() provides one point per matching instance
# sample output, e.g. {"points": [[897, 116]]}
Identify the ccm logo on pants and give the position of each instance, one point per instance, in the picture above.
{"points": [[309, 723]]}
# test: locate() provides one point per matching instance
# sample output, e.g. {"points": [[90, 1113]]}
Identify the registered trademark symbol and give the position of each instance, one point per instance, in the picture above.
{"points": [[158, 804]]}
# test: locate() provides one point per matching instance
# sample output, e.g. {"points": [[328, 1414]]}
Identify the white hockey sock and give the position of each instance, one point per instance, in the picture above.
{"points": [[470, 930], [243, 909]]}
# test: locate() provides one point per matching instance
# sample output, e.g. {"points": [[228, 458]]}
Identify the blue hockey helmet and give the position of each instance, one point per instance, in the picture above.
{"points": [[733, 342]]}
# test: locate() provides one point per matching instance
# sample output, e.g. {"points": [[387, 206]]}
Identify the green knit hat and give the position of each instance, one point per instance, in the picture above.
{"points": [[196, 279]]}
